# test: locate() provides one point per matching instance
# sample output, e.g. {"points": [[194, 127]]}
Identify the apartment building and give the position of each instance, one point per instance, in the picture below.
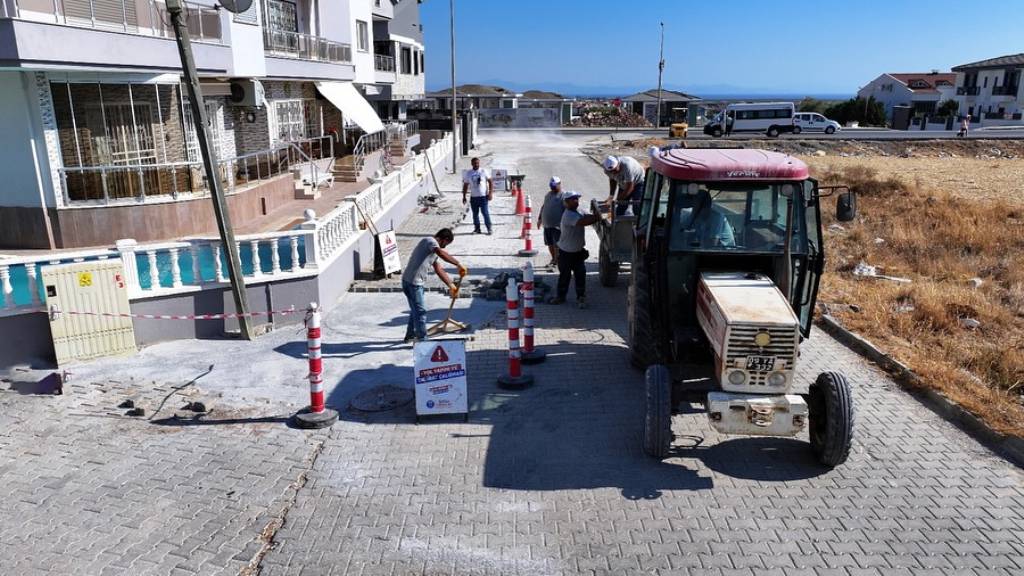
{"points": [[99, 138], [399, 57], [990, 89]]}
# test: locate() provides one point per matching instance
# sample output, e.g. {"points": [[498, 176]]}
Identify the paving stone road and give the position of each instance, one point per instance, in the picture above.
{"points": [[546, 481]]}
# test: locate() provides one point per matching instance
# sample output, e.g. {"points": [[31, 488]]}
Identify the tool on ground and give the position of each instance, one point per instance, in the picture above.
{"points": [[515, 379], [317, 415], [449, 326], [528, 231], [530, 354]]}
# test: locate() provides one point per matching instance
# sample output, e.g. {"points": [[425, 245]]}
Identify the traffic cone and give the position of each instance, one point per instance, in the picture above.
{"points": [[520, 202]]}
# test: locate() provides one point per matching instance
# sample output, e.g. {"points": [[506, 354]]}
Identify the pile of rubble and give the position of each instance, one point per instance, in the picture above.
{"points": [[495, 288], [610, 118]]}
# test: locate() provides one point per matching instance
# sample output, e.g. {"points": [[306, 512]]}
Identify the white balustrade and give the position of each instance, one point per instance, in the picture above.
{"points": [[175, 269], [275, 258], [254, 247], [33, 282], [218, 266], [5, 286], [197, 273], [154, 274], [293, 242]]}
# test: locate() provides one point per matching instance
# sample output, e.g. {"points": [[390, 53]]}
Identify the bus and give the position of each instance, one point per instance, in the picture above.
{"points": [[772, 118]]}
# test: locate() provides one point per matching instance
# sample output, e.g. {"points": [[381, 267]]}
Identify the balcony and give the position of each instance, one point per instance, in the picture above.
{"points": [[143, 17], [967, 90], [1005, 90], [384, 63], [288, 44]]}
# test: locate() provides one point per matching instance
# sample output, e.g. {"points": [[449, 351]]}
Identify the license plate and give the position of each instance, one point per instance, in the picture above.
{"points": [[760, 363]]}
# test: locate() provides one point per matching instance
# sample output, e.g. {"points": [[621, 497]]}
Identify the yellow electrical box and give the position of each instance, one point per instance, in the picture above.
{"points": [[88, 305]]}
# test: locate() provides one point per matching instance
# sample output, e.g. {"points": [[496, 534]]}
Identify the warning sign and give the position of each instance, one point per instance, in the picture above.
{"points": [[85, 279], [500, 179], [389, 251], [440, 377]]}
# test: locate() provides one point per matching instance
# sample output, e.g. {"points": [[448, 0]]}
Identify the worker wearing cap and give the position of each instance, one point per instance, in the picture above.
{"points": [[572, 252], [550, 219], [424, 257], [625, 183]]}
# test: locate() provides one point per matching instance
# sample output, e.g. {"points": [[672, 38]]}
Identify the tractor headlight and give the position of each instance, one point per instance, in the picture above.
{"points": [[737, 377], [776, 379]]}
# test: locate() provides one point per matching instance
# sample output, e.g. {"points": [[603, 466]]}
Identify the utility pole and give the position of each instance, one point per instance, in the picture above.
{"points": [[661, 68], [220, 210], [455, 106]]}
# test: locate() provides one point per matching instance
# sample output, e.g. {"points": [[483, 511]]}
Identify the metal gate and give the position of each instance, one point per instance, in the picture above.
{"points": [[91, 289]]}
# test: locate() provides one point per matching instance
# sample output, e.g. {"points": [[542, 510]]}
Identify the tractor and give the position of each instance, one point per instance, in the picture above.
{"points": [[726, 258]]}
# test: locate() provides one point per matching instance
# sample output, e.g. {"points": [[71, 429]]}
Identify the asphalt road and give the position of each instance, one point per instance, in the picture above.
{"points": [[848, 134]]}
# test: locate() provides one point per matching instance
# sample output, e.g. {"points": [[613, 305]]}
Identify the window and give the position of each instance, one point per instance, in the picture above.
{"points": [[291, 124], [985, 82], [282, 15], [415, 63], [423, 64], [362, 36], [406, 67]]}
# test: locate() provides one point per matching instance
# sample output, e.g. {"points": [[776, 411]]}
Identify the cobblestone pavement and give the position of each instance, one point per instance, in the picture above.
{"points": [[550, 480]]}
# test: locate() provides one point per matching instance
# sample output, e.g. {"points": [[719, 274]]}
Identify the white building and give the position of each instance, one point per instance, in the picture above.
{"points": [[922, 91], [991, 88], [98, 135], [399, 57]]}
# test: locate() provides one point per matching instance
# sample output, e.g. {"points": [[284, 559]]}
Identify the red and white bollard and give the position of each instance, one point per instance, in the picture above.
{"points": [[515, 379], [317, 415], [528, 231], [530, 355]]}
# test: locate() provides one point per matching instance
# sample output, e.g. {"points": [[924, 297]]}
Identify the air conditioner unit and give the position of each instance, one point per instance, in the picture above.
{"points": [[247, 93]]}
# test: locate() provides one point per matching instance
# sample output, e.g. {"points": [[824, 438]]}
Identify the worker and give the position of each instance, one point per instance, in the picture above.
{"points": [[625, 183], [480, 187], [703, 223], [424, 256], [550, 219], [572, 252], [965, 125]]}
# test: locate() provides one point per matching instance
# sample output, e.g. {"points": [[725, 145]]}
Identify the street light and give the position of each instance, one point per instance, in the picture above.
{"points": [[661, 68], [455, 106]]}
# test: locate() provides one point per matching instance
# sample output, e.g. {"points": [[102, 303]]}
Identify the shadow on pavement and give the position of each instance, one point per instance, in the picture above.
{"points": [[753, 458], [340, 350], [203, 420]]}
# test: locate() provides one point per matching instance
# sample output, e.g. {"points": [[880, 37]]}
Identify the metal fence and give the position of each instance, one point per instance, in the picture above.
{"points": [[305, 46]]}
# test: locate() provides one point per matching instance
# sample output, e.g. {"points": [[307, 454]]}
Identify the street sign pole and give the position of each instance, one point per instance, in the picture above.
{"points": [[220, 210]]}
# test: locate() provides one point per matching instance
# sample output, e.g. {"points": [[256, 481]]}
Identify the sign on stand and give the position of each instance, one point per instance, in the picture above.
{"points": [[389, 252], [440, 377], [500, 179]]}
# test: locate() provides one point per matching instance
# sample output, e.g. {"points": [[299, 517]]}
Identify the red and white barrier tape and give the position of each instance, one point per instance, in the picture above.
{"points": [[180, 317]]}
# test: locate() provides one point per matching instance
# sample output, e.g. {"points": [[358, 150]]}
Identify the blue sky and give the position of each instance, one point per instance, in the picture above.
{"points": [[766, 46]]}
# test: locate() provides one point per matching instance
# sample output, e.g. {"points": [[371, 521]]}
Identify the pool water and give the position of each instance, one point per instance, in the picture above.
{"points": [[22, 295]]}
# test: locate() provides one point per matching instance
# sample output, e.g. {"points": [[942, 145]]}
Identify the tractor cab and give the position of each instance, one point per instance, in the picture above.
{"points": [[726, 261]]}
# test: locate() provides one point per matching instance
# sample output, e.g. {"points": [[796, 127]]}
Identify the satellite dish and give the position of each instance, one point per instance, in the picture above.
{"points": [[236, 6]]}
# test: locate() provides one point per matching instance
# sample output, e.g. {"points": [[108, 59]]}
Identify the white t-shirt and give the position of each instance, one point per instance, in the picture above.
{"points": [[477, 180]]}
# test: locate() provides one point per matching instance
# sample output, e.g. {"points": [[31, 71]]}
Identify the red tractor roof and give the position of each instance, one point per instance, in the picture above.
{"points": [[710, 164]]}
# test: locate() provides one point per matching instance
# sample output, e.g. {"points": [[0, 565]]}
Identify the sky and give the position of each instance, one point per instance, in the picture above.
{"points": [[823, 47]]}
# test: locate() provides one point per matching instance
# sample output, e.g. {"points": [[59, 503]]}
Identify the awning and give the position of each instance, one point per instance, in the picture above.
{"points": [[352, 104]]}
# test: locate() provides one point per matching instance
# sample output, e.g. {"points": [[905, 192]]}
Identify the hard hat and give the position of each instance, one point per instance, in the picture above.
{"points": [[610, 163]]}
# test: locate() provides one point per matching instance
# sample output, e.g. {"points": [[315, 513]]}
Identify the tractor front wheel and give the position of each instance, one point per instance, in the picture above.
{"points": [[658, 412], [607, 270], [830, 411]]}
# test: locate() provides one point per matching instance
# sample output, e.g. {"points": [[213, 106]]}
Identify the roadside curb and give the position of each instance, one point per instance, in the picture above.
{"points": [[1010, 448]]}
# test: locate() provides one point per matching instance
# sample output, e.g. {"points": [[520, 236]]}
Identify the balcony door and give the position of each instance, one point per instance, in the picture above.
{"points": [[282, 25]]}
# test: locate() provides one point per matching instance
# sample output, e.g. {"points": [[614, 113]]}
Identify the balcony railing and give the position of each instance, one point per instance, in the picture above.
{"points": [[384, 63], [305, 46], [966, 90], [1005, 90], [145, 17], [120, 184]]}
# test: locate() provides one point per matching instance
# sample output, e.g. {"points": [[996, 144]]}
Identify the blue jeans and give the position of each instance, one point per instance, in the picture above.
{"points": [[632, 202], [417, 327], [479, 204]]}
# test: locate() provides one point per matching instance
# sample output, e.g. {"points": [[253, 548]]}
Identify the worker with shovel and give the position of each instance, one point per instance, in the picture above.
{"points": [[424, 257]]}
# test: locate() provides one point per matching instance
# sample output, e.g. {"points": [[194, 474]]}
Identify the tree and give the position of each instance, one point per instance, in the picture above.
{"points": [[948, 108], [809, 104], [868, 112]]}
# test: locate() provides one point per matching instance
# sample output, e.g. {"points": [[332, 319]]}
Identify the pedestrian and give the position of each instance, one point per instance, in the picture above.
{"points": [[626, 176], [572, 251], [478, 184], [424, 257], [965, 125], [550, 219]]}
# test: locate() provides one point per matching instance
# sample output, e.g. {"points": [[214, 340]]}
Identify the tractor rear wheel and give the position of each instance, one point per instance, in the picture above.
{"points": [[830, 411], [607, 270], [658, 412], [643, 350]]}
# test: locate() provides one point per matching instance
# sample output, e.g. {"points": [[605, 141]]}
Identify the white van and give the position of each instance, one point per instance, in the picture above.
{"points": [[772, 118], [814, 122]]}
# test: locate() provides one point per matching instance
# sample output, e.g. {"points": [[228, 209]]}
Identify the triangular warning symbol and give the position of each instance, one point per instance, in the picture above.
{"points": [[439, 355]]}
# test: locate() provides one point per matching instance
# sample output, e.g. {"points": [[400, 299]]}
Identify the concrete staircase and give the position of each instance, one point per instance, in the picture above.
{"points": [[347, 169]]}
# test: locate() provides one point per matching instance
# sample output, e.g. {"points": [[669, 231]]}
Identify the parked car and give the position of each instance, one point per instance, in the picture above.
{"points": [[772, 118], [814, 122]]}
